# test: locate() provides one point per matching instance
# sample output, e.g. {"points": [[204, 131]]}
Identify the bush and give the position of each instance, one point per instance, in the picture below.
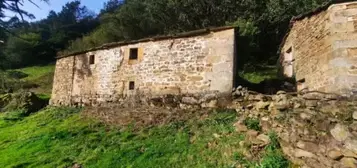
{"points": [[4, 100], [26, 101], [17, 75]]}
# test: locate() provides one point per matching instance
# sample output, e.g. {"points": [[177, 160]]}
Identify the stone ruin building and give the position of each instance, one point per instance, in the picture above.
{"points": [[319, 52], [320, 49], [200, 61]]}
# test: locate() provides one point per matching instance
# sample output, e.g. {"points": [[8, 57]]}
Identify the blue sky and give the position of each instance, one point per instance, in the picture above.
{"points": [[56, 5]]}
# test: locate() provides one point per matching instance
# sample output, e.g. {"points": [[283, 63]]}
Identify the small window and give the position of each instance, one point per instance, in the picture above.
{"points": [[91, 59], [133, 54], [131, 85]]}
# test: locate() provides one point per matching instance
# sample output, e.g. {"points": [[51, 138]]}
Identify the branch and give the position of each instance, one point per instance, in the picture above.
{"points": [[33, 3], [19, 10]]}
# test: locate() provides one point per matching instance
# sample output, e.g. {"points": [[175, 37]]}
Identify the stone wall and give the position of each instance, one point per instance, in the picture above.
{"points": [[309, 43], [343, 20], [315, 129], [323, 46], [178, 66], [63, 78]]}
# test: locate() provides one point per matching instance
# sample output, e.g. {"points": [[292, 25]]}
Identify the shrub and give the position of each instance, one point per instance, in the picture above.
{"points": [[252, 123], [16, 74], [26, 101]]}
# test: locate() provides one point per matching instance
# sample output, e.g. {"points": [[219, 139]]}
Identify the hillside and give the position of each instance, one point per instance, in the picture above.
{"points": [[37, 79], [63, 137]]}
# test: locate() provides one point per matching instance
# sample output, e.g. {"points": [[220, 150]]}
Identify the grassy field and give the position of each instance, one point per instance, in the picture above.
{"points": [[61, 137]]}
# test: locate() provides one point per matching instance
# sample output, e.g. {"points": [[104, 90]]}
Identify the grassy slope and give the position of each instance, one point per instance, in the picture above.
{"points": [[59, 137], [41, 76], [259, 74]]}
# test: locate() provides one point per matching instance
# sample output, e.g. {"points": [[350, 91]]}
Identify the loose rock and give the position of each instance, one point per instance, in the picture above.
{"points": [[240, 128], [335, 155], [301, 153], [349, 153], [262, 105], [190, 100], [340, 132], [264, 138], [211, 104], [351, 145], [349, 163], [354, 115], [252, 133]]}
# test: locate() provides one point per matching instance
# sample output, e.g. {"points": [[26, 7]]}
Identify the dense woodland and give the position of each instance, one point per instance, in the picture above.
{"points": [[262, 24]]}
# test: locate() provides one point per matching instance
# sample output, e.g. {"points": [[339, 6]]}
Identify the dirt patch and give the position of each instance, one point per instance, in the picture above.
{"points": [[145, 116]]}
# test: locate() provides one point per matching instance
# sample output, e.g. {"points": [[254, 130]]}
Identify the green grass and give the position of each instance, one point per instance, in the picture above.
{"points": [[36, 72], [40, 76], [60, 137], [252, 123], [259, 74]]}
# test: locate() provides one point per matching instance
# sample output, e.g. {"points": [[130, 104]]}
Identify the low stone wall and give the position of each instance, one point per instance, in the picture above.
{"points": [[315, 129], [184, 101]]}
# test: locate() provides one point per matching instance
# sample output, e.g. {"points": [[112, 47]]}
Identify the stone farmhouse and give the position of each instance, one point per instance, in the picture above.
{"points": [[320, 49], [200, 61]]}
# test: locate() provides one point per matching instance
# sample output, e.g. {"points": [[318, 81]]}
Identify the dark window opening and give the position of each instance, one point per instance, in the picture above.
{"points": [[133, 54], [301, 80], [91, 59], [131, 85]]}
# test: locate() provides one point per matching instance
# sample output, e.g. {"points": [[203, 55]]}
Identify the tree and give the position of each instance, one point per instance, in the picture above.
{"points": [[31, 43], [111, 6]]}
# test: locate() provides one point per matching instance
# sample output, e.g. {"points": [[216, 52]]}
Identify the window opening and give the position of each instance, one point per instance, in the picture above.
{"points": [[91, 59], [133, 54], [131, 85]]}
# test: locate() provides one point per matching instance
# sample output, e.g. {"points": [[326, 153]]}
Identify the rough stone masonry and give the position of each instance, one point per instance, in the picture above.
{"points": [[195, 62], [320, 50]]}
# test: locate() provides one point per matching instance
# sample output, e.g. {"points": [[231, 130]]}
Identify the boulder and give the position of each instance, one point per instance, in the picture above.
{"points": [[340, 133]]}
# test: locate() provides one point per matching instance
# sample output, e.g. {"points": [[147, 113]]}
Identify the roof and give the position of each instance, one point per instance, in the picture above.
{"points": [[156, 38], [316, 11]]}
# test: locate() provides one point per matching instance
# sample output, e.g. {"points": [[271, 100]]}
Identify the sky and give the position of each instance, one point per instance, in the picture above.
{"points": [[56, 5]]}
